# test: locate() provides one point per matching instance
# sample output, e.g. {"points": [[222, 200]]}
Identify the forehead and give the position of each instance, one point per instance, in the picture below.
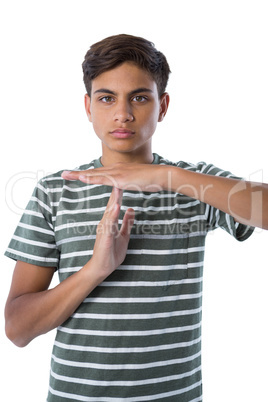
{"points": [[125, 77]]}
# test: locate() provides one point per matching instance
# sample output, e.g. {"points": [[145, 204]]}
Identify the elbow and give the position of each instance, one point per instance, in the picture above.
{"points": [[14, 329], [15, 336]]}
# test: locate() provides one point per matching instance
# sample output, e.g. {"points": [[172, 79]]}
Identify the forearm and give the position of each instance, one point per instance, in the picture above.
{"points": [[246, 201], [31, 310], [33, 314]]}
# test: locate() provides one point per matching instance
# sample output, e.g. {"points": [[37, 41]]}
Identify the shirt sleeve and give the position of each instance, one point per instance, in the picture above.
{"points": [[219, 219], [34, 239]]}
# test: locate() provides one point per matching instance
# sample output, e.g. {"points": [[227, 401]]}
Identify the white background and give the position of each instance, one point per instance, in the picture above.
{"points": [[217, 51]]}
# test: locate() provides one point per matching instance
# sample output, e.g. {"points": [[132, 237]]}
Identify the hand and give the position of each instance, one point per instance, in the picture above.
{"points": [[126, 176], [111, 243], [213, 190]]}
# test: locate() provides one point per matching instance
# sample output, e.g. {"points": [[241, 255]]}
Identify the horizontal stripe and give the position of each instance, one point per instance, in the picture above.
{"points": [[72, 269], [35, 228], [129, 350], [142, 299], [147, 222], [41, 204], [83, 199], [185, 281], [76, 254], [34, 242], [167, 252], [171, 221], [82, 211], [167, 236], [126, 195], [106, 366], [32, 256], [160, 267], [76, 239], [52, 178], [144, 267], [76, 225], [127, 399], [33, 213], [136, 208], [142, 251], [135, 236], [136, 316], [71, 189], [91, 332], [126, 383]]}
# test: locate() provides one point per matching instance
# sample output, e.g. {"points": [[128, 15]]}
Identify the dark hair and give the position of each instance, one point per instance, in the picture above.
{"points": [[115, 50]]}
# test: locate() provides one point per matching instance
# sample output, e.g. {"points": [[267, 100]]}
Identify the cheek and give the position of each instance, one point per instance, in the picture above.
{"points": [[98, 121], [151, 123], [97, 128]]}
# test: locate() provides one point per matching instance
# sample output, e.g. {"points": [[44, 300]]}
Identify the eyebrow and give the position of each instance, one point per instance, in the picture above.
{"points": [[134, 92]]}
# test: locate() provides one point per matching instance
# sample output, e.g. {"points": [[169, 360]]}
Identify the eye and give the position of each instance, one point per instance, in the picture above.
{"points": [[140, 98], [107, 99]]}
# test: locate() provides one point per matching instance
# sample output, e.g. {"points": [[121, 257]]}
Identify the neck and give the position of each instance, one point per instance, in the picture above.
{"points": [[108, 159]]}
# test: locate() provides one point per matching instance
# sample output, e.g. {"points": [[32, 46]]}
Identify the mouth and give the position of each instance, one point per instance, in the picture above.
{"points": [[122, 133]]}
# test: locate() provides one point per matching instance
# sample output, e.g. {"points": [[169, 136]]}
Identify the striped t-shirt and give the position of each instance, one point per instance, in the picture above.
{"points": [[137, 336]]}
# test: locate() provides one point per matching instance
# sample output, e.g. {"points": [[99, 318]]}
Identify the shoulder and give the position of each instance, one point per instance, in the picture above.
{"points": [[199, 167], [51, 188], [55, 180]]}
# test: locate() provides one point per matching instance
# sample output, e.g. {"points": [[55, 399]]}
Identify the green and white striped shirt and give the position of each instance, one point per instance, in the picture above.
{"points": [[137, 336]]}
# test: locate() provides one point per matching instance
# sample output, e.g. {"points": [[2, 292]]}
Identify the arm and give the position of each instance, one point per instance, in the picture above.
{"points": [[246, 201], [32, 309]]}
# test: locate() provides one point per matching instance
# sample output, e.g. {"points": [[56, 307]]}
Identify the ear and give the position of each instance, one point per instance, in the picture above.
{"points": [[164, 102], [88, 106]]}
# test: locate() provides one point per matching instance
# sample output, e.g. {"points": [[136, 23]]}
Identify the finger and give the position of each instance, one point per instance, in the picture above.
{"points": [[109, 222], [128, 222], [92, 176], [80, 174], [99, 177], [114, 204], [67, 175]]}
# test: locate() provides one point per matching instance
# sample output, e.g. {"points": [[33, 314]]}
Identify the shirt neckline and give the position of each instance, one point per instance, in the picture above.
{"points": [[98, 164]]}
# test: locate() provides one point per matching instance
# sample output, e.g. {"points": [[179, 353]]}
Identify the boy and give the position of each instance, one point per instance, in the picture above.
{"points": [[126, 233]]}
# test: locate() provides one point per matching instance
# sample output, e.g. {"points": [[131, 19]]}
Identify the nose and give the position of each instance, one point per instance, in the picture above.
{"points": [[123, 113]]}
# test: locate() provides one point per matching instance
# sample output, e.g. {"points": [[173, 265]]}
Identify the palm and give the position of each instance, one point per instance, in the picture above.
{"points": [[111, 243]]}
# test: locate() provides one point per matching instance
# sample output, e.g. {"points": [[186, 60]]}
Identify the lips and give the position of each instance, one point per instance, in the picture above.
{"points": [[122, 133]]}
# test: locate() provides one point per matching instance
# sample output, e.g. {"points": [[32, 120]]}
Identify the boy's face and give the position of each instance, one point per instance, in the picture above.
{"points": [[124, 108]]}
